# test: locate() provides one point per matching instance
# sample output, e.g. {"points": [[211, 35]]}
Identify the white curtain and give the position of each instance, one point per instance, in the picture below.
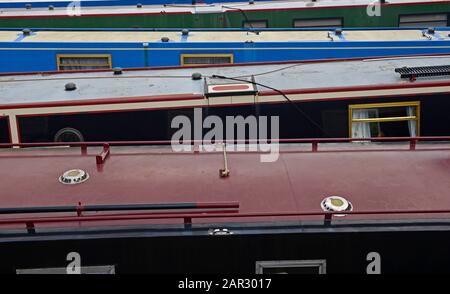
{"points": [[412, 124], [361, 129]]}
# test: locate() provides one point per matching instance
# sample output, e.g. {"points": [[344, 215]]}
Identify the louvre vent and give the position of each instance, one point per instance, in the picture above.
{"points": [[423, 71]]}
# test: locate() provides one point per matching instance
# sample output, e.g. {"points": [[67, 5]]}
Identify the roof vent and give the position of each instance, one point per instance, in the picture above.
{"points": [[338, 32], [117, 71], [164, 39], [74, 176], [251, 2], [51, 7], [220, 232], [185, 32], [28, 6], [196, 76], [139, 5], [70, 86], [430, 30], [26, 32], [336, 204]]}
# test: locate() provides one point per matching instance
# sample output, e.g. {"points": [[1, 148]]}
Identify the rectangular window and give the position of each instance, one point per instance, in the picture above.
{"points": [[423, 20], [83, 61], [4, 130], [384, 120], [291, 267], [255, 24], [318, 23], [202, 59]]}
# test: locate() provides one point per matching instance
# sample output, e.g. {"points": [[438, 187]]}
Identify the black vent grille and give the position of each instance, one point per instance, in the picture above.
{"points": [[423, 71]]}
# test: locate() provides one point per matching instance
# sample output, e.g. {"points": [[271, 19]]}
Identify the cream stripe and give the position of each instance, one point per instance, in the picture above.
{"points": [[12, 113], [13, 127]]}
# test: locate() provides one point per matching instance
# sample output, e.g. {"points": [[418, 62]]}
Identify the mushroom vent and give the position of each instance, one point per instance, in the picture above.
{"points": [[336, 204], [26, 32], [74, 176], [70, 87], [196, 76]]}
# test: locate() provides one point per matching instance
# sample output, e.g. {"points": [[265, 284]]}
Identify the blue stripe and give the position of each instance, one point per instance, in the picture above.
{"points": [[38, 56]]}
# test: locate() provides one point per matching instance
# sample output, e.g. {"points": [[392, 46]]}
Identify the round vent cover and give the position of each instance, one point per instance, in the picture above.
{"points": [[336, 203], [74, 176], [220, 232]]}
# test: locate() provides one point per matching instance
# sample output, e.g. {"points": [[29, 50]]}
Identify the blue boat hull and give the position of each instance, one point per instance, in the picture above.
{"points": [[27, 57]]}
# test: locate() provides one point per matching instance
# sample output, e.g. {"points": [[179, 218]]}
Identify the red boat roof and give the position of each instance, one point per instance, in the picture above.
{"points": [[374, 177]]}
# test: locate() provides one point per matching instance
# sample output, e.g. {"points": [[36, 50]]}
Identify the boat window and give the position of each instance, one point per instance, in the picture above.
{"points": [[384, 120], [255, 24], [4, 130], [423, 20], [198, 59], [318, 23], [102, 269], [291, 267], [83, 61]]}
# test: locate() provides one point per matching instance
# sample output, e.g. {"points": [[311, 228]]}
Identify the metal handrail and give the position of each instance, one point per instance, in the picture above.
{"points": [[119, 207], [235, 141], [188, 217]]}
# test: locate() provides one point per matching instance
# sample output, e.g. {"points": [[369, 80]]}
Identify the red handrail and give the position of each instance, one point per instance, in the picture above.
{"points": [[411, 140], [188, 217]]}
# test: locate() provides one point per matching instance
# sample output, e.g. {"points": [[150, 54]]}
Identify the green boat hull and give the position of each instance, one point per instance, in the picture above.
{"points": [[352, 17]]}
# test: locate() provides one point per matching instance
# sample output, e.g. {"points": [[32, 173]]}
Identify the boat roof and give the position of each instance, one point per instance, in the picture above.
{"points": [[220, 7], [219, 35], [315, 77], [377, 177]]}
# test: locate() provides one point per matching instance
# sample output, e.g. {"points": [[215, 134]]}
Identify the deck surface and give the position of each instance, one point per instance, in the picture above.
{"points": [[302, 35], [372, 176]]}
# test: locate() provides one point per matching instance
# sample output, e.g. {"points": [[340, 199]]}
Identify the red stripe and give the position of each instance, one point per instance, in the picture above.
{"points": [[357, 88], [230, 87], [218, 205], [107, 101]]}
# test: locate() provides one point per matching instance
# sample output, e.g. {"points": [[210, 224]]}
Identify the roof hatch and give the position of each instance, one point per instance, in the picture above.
{"points": [[216, 87]]}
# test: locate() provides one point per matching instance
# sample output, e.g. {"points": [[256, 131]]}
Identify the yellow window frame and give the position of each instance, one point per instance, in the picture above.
{"points": [[183, 56], [59, 56], [384, 119]]}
